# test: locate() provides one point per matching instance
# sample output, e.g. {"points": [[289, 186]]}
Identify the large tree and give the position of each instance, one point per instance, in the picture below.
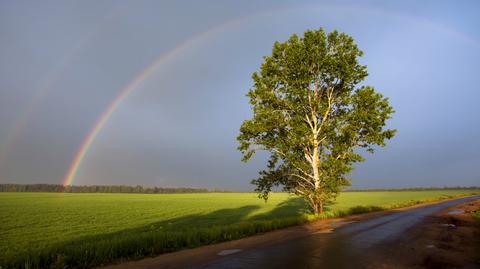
{"points": [[311, 115]]}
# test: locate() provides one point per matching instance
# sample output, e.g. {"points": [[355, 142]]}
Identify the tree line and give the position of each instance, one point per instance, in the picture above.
{"points": [[99, 189], [475, 188], [159, 190]]}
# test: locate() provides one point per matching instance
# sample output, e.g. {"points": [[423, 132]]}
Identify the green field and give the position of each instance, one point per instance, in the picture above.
{"points": [[82, 230]]}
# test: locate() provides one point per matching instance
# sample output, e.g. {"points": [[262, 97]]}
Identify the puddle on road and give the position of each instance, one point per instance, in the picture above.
{"points": [[325, 231], [448, 225], [456, 212], [228, 251]]}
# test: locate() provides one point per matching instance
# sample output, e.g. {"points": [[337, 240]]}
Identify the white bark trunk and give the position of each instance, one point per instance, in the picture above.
{"points": [[316, 164]]}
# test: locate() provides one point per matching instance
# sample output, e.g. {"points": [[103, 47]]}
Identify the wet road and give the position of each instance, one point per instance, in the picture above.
{"points": [[344, 247]]}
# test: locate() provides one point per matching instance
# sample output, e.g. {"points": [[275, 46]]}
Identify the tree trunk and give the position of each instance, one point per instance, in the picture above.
{"points": [[318, 206], [315, 209], [315, 166]]}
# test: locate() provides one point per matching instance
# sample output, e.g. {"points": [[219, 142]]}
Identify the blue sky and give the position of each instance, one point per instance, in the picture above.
{"points": [[63, 62]]}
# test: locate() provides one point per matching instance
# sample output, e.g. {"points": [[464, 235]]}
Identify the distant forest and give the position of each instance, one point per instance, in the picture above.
{"points": [[160, 190], [98, 189], [475, 188]]}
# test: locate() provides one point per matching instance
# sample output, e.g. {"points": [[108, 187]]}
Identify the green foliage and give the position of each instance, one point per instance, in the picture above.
{"points": [[52, 230], [312, 117]]}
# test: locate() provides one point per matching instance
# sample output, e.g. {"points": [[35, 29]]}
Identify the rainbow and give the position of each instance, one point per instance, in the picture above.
{"points": [[162, 58], [131, 86]]}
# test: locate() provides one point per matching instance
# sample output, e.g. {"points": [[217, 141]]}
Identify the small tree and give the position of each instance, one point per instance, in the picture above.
{"points": [[312, 117]]}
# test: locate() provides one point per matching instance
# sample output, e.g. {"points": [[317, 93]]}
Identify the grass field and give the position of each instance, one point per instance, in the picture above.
{"points": [[82, 230]]}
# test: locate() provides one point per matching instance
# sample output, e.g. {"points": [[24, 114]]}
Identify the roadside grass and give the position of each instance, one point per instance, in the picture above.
{"points": [[86, 230], [476, 214]]}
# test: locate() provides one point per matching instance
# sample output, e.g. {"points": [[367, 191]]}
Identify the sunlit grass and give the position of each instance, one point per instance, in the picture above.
{"points": [[82, 230], [476, 214]]}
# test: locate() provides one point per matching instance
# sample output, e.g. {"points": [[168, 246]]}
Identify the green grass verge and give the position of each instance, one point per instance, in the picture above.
{"points": [[476, 214], [85, 230]]}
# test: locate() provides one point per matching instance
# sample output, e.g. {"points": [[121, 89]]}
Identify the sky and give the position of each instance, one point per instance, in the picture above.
{"points": [[153, 92]]}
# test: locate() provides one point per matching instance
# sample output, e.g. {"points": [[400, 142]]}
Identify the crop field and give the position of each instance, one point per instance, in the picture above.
{"points": [[39, 230]]}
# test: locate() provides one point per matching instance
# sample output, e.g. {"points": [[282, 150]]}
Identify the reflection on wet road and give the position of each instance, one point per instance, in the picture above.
{"points": [[342, 248]]}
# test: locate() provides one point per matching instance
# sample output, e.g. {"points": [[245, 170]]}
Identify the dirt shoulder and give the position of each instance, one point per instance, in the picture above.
{"points": [[205, 254], [447, 239]]}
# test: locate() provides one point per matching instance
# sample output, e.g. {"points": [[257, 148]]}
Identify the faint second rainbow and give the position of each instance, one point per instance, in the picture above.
{"points": [[47, 85]]}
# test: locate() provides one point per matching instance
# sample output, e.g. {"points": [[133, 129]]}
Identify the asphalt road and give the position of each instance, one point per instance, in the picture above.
{"points": [[344, 247]]}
